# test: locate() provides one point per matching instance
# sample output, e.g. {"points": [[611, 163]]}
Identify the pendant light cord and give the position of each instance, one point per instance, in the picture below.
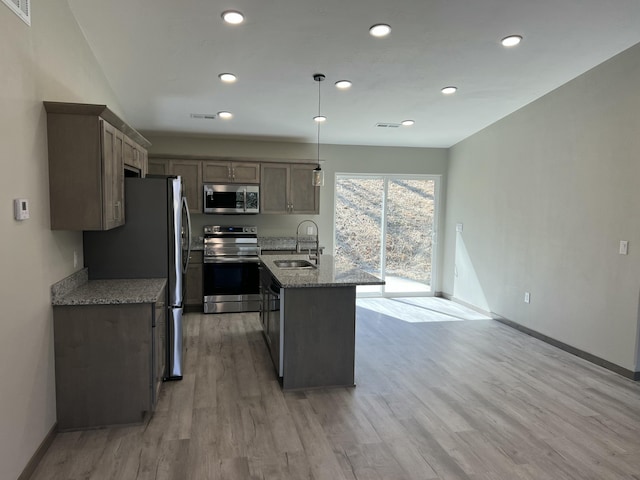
{"points": [[319, 81]]}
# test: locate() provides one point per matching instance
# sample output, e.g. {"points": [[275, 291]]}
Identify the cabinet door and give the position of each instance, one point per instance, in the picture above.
{"points": [[274, 197], [157, 167], [112, 177], [191, 173], [129, 154], [304, 197], [194, 294], [159, 348], [217, 172], [134, 156], [118, 179], [245, 172], [144, 162], [273, 330]]}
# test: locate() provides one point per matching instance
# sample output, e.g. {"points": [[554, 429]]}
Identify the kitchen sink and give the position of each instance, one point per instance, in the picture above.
{"points": [[294, 264]]}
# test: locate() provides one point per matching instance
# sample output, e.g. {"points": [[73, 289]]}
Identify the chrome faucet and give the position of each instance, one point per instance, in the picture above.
{"points": [[315, 257]]}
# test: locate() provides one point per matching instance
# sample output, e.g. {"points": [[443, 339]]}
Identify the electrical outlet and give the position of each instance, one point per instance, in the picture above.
{"points": [[309, 230], [527, 297], [459, 227]]}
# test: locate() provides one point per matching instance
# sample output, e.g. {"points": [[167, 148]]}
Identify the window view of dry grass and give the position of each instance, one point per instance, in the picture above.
{"points": [[410, 214]]}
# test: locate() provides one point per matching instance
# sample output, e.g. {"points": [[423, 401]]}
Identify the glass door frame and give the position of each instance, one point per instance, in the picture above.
{"points": [[435, 250]]}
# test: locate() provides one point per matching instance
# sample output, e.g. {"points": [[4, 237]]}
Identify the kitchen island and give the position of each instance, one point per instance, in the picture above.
{"points": [[309, 320]]}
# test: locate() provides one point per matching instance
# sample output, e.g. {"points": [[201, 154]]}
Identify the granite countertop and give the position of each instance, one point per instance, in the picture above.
{"points": [[271, 243], [325, 275], [78, 290], [287, 243]]}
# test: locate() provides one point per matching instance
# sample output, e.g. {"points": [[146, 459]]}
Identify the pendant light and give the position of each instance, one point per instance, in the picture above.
{"points": [[317, 179]]}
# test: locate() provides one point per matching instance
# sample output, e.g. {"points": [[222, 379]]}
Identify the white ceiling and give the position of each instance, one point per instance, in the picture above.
{"points": [[163, 57]]}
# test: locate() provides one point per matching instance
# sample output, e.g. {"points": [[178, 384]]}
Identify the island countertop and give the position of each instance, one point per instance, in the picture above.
{"points": [[325, 275]]}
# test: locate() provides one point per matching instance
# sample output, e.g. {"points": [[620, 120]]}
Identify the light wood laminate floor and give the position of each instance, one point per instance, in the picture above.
{"points": [[454, 400]]}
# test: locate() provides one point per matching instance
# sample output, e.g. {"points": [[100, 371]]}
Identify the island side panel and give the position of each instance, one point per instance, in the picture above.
{"points": [[319, 337]]}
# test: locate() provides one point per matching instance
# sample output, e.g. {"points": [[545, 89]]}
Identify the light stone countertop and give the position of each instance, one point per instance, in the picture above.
{"points": [[272, 243], [287, 243], [325, 275], [107, 292]]}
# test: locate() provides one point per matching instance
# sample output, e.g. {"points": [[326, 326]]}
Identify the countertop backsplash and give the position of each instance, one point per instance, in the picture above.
{"points": [[68, 284]]}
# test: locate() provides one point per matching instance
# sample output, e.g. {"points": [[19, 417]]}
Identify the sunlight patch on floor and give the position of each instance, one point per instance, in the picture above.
{"points": [[420, 309]]}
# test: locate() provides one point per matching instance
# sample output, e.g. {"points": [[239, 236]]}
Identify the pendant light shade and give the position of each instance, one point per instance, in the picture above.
{"points": [[317, 179]]}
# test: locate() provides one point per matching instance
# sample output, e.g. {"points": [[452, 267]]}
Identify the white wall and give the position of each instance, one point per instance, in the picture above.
{"points": [[545, 195], [48, 61], [336, 158]]}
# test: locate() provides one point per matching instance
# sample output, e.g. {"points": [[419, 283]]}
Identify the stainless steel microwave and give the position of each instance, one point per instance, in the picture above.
{"points": [[231, 199]]}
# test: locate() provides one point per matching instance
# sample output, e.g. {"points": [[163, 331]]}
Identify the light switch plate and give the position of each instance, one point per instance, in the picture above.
{"points": [[624, 247], [20, 208]]}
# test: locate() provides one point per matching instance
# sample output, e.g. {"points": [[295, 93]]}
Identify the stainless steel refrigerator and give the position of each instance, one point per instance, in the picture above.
{"points": [[149, 245]]}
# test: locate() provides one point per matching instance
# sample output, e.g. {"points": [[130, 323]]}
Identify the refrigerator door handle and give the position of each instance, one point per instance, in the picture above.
{"points": [[185, 206], [174, 344]]}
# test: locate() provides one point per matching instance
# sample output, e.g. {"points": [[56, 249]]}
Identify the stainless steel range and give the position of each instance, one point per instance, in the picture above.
{"points": [[231, 276]]}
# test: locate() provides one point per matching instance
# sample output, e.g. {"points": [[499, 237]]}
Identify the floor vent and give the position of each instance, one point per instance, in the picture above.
{"points": [[204, 116], [22, 8], [388, 125]]}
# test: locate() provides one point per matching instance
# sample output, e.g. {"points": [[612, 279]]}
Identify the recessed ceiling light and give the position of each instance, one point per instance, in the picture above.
{"points": [[225, 115], [449, 90], [232, 16], [511, 40], [320, 118], [343, 84], [227, 77], [380, 30], [408, 123]]}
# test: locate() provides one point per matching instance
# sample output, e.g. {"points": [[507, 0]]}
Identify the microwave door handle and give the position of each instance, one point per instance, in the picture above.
{"points": [[245, 199], [185, 206]]}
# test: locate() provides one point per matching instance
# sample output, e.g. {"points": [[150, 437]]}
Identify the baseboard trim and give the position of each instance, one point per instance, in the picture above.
{"points": [[601, 362], [469, 306], [573, 350], [32, 464]]}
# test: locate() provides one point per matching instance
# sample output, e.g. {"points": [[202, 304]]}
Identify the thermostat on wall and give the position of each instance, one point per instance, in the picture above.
{"points": [[21, 208]]}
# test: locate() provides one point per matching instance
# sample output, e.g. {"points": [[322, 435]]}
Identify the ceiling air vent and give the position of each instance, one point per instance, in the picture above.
{"points": [[387, 125], [204, 116], [22, 8]]}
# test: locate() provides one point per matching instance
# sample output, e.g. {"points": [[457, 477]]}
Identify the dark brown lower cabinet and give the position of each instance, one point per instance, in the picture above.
{"points": [[310, 333], [109, 363], [194, 299], [319, 337]]}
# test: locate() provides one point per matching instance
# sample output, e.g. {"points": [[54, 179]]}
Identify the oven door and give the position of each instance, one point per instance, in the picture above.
{"points": [[231, 285]]}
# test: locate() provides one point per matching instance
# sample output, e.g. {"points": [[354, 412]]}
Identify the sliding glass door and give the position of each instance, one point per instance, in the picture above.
{"points": [[385, 225]]}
